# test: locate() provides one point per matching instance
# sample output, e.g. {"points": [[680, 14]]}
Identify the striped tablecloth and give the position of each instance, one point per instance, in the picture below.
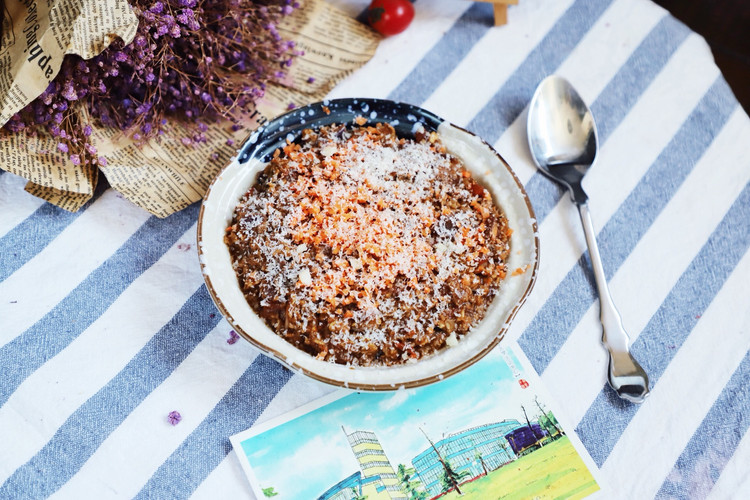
{"points": [[106, 326]]}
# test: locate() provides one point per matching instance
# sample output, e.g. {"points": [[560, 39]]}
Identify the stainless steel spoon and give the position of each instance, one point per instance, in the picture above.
{"points": [[563, 143]]}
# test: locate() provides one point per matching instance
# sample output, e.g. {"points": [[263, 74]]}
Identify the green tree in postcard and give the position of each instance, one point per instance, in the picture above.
{"points": [[550, 423], [269, 492], [479, 458], [450, 477], [357, 495], [410, 484]]}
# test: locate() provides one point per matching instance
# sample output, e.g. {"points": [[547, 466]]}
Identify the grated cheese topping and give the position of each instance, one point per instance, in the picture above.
{"points": [[363, 248]]}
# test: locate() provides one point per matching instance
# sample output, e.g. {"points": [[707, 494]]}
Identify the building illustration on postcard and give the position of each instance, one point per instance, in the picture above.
{"points": [[485, 433]]}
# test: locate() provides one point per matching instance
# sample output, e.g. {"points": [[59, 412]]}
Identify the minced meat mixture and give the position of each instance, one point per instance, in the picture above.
{"points": [[363, 248]]}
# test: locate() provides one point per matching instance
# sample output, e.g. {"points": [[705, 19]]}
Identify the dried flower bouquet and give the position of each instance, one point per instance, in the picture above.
{"points": [[195, 61]]}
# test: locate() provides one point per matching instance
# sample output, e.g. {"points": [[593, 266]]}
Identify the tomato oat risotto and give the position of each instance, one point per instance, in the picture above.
{"points": [[363, 248]]}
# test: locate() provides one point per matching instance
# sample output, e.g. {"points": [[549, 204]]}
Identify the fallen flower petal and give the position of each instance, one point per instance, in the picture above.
{"points": [[174, 417]]}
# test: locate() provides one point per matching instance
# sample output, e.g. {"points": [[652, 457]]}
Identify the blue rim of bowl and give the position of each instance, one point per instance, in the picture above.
{"points": [[288, 127], [404, 118]]}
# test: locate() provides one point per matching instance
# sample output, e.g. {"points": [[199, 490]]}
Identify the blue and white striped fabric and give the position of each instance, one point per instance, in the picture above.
{"points": [[106, 326]]}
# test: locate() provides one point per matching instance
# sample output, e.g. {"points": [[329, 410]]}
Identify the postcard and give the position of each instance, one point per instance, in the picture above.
{"points": [[488, 432]]}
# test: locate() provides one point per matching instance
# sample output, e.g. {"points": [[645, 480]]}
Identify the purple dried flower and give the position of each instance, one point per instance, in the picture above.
{"points": [[190, 59], [233, 337], [174, 417], [69, 92], [186, 16], [62, 147], [311, 79]]}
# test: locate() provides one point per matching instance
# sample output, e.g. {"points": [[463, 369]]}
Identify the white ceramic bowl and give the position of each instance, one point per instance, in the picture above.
{"points": [[480, 159]]}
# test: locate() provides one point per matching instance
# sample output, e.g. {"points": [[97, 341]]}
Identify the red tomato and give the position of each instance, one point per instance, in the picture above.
{"points": [[390, 17]]}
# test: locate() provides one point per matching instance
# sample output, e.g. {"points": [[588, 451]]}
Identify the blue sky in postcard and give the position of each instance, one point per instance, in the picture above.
{"points": [[305, 456]]}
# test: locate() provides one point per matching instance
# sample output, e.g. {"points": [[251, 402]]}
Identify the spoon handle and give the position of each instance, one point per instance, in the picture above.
{"points": [[625, 375]]}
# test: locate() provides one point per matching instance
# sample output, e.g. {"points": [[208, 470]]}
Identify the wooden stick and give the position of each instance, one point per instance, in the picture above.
{"points": [[500, 8], [501, 14]]}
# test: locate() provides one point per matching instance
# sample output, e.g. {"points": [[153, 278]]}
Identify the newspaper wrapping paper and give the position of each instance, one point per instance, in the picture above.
{"points": [[165, 176], [37, 34]]}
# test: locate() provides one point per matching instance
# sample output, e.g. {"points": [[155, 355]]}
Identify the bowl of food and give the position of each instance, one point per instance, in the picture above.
{"points": [[368, 244]]}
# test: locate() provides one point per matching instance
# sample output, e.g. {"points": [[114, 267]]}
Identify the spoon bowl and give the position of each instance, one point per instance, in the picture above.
{"points": [[562, 134], [563, 143]]}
